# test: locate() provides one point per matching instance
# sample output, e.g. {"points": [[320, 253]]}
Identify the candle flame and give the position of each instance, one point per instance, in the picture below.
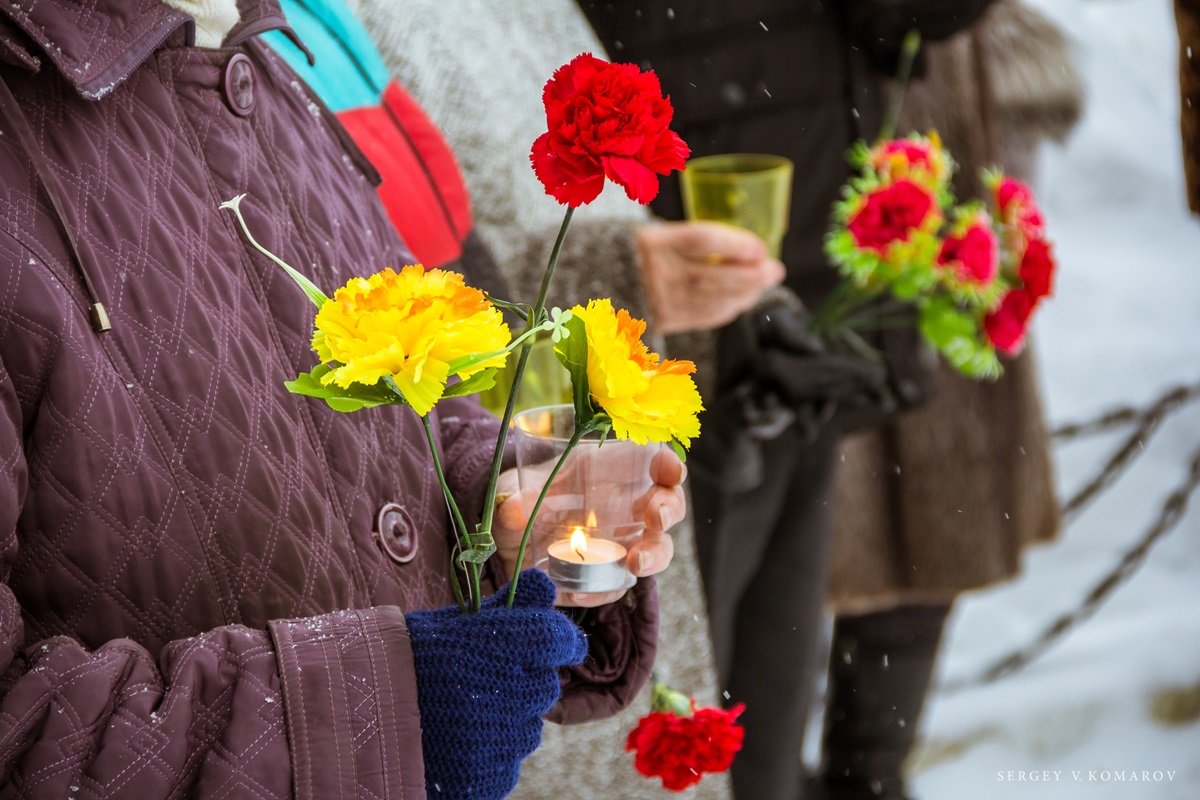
{"points": [[579, 543], [591, 520]]}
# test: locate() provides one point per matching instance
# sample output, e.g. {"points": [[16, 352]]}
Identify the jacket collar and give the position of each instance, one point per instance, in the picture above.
{"points": [[97, 45]]}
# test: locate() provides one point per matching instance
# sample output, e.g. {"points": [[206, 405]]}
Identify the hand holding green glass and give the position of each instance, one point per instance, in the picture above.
{"points": [[749, 190]]}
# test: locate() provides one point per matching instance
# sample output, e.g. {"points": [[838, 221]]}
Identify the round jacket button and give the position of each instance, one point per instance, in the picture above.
{"points": [[394, 532], [239, 84]]}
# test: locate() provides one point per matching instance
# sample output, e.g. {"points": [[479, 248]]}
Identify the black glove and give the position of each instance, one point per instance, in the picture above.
{"points": [[818, 384], [806, 373]]}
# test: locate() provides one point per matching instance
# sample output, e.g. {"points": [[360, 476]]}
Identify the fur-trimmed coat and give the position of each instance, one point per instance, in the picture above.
{"points": [[946, 498], [1187, 19]]}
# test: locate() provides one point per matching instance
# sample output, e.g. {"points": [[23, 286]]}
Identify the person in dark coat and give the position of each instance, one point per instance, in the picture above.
{"points": [[211, 587], [803, 80], [946, 498]]}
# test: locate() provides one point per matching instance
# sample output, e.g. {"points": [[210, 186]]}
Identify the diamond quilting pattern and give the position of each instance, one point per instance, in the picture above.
{"points": [[157, 484]]}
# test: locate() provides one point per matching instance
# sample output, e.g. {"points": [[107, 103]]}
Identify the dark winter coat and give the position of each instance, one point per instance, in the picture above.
{"points": [[1187, 18], [204, 577], [947, 496], [800, 79], [803, 79]]}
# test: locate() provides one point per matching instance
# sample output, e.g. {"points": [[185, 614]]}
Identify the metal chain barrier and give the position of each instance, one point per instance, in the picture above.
{"points": [[1148, 420], [1118, 417]]}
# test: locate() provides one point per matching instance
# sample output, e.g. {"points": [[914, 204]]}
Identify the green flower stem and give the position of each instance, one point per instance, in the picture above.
{"points": [[314, 294], [832, 313], [858, 344], [874, 316], [489, 502], [908, 57], [575, 437], [870, 322], [460, 524]]}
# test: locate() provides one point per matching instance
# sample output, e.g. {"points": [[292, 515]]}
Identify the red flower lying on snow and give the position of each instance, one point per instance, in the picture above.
{"points": [[605, 120], [890, 214], [679, 748]]}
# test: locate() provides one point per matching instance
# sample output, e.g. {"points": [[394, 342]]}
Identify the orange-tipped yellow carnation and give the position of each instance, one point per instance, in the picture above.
{"points": [[411, 326], [648, 399]]}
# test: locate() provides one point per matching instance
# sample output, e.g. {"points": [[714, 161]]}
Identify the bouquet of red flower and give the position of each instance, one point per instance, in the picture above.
{"points": [[679, 742], [975, 272]]}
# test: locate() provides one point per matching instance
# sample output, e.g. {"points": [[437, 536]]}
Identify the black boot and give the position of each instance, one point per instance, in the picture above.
{"points": [[880, 666]]}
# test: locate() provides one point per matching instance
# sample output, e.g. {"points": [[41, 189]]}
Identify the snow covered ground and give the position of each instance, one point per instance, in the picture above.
{"points": [[1124, 327]]}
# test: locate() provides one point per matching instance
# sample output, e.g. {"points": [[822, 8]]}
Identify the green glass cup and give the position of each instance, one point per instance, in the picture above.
{"points": [[749, 190]]}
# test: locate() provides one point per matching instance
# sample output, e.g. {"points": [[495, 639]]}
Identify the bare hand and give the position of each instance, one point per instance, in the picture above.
{"points": [[701, 275], [661, 507]]}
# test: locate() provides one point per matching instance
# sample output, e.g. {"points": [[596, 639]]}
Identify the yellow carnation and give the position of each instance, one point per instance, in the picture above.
{"points": [[411, 326], [647, 398]]}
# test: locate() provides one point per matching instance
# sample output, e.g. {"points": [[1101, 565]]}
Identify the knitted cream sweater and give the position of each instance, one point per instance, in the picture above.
{"points": [[214, 18]]}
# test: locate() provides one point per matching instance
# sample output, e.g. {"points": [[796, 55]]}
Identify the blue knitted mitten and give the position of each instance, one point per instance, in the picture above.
{"points": [[484, 681]]}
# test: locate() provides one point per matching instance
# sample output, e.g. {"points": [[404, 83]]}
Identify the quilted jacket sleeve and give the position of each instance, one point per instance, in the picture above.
{"points": [[314, 708]]}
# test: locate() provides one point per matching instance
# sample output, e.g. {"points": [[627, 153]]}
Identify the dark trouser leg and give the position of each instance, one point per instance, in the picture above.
{"points": [[879, 672], [764, 558]]}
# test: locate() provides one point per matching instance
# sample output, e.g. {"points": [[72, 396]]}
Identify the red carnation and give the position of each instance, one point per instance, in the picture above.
{"points": [[890, 214], [681, 749], [1006, 326], [1016, 205], [974, 253], [605, 120], [1037, 269]]}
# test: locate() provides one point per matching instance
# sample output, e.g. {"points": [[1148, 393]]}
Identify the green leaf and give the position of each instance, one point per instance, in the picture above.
{"points": [[310, 289], [475, 359], [602, 425], [572, 353], [520, 309], [482, 547], [680, 449], [353, 398], [479, 382], [476, 555], [955, 333]]}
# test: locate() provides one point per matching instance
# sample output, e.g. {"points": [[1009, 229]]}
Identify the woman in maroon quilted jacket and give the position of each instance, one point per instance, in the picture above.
{"points": [[206, 579]]}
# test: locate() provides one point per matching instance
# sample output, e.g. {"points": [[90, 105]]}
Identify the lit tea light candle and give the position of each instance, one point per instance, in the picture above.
{"points": [[587, 564]]}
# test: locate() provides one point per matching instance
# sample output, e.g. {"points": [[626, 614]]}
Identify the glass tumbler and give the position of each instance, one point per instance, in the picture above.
{"points": [[749, 190], [594, 511]]}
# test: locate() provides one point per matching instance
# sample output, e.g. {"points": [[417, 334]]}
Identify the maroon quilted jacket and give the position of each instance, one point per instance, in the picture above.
{"points": [[204, 577]]}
